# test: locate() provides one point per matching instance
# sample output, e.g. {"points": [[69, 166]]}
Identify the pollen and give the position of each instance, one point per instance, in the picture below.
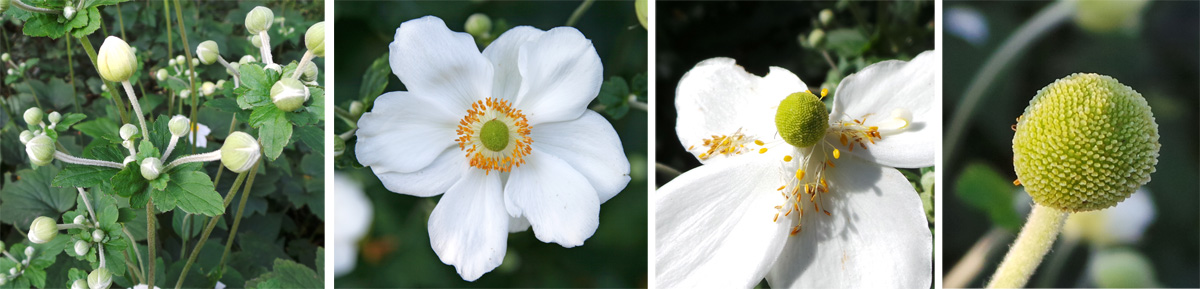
{"points": [[494, 136], [800, 174], [787, 158], [734, 144]]}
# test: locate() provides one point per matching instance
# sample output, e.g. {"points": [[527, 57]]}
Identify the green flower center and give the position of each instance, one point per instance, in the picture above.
{"points": [[494, 135], [802, 119]]}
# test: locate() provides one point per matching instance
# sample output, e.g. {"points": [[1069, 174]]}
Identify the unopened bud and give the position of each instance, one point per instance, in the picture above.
{"points": [[81, 247], [54, 117], [289, 94], [40, 150], [240, 152], [128, 130], [314, 39], [99, 279], [208, 52], [42, 230], [208, 88], [115, 60], [479, 25], [259, 19], [26, 136], [151, 168], [179, 125], [33, 115], [79, 220]]}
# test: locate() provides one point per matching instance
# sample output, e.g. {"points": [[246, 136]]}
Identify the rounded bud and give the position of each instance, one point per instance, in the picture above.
{"points": [[254, 40], [115, 60], [314, 39], [195, 62], [26, 136], [172, 62], [179, 59], [289, 94], [208, 52], [1121, 267], [81, 247], [97, 236], [275, 67], [208, 88], [816, 37], [240, 152], [1101, 16], [220, 83], [179, 125], [5, 57], [310, 73], [79, 284], [151, 168], [1, 246], [42, 230], [103, 87], [259, 19], [479, 25], [825, 17], [247, 59], [128, 130], [40, 150], [29, 252], [1085, 142], [356, 109], [13, 271], [185, 93], [642, 12], [79, 220], [33, 115], [99, 279], [69, 12], [54, 117], [161, 74], [802, 119]]}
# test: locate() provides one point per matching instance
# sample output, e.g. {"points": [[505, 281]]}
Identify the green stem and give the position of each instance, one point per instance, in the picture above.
{"points": [[1056, 263], [112, 87], [150, 245], [22, 5], [186, 232], [241, 207], [120, 20], [212, 222], [141, 263], [1043, 22], [345, 116], [137, 276], [71, 69], [221, 169], [187, 52], [583, 7], [1032, 244]]}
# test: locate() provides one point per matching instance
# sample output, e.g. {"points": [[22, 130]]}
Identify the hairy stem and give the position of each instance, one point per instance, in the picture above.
{"points": [[88, 203], [1032, 244], [212, 223], [170, 147], [141, 264], [87, 162], [264, 47], [237, 220], [229, 68], [150, 241], [27, 7], [137, 108], [306, 60], [187, 51], [204, 157]]}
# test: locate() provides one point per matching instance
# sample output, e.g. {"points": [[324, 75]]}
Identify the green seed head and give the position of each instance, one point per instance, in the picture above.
{"points": [[1085, 142], [802, 119], [494, 135]]}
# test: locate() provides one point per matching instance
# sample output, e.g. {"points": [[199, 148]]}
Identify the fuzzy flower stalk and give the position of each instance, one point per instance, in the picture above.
{"points": [[1085, 142], [504, 136]]}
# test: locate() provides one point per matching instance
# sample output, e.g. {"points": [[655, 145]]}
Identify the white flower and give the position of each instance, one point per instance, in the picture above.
{"points": [[737, 219], [505, 134], [353, 218], [202, 132]]}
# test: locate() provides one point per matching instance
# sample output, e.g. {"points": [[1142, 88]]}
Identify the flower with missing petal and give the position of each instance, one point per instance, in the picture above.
{"points": [[505, 134], [795, 194], [353, 221]]}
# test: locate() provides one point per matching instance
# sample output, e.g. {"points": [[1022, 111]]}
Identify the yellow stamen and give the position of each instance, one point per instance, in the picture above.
{"points": [[837, 154], [800, 174], [758, 142], [787, 158], [762, 151]]}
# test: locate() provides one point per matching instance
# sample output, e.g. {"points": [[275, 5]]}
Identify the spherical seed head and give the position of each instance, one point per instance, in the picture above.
{"points": [[151, 168], [208, 52], [99, 279], [259, 19], [128, 130], [40, 150], [314, 39], [115, 60], [1085, 142], [289, 94], [33, 115], [240, 152], [802, 119], [81, 247], [42, 230]]}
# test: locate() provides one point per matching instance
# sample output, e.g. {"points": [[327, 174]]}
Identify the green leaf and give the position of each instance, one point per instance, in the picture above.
{"points": [[375, 80], [983, 188], [193, 192], [160, 183], [125, 215], [128, 181], [32, 196], [83, 176], [318, 102], [36, 276], [265, 114], [274, 136], [44, 25], [640, 87], [614, 95], [256, 86], [93, 23], [287, 274], [313, 137], [105, 128], [846, 42], [69, 120]]}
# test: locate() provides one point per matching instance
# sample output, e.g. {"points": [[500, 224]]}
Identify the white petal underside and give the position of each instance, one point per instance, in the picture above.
{"points": [[714, 226], [876, 236]]}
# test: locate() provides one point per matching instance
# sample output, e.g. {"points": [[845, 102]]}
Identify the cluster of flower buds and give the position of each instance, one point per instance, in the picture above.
{"points": [[38, 145]]}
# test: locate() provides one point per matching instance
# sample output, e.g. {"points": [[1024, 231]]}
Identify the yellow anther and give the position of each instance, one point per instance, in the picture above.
{"points": [[800, 174], [824, 92], [787, 158], [781, 188], [829, 163], [762, 151], [758, 142], [837, 154]]}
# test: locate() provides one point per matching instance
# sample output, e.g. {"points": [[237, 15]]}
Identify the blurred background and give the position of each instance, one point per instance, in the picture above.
{"points": [[1150, 240], [819, 41], [395, 252]]}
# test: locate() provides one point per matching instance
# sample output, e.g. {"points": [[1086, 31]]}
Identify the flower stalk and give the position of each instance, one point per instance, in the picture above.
{"points": [[137, 108], [29, 8], [212, 223], [237, 220], [1031, 246], [87, 162], [204, 157]]}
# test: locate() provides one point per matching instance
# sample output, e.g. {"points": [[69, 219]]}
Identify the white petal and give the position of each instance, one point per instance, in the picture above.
{"points": [[404, 132], [430, 181], [469, 228], [561, 73], [718, 97], [590, 146], [560, 204], [353, 219], [518, 224], [884, 87], [503, 53], [875, 237], [432, 60], [714, 225]]}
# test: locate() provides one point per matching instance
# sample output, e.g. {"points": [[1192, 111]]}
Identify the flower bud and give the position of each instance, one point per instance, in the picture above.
{"points": [[172, 62], [185, 93], [179, 59], [13, 271], [3, 278], [208, 52], [128, 130], [42, 230], [40, 150], [220, 83], [195, 62], [816, 37], [1121, 267], [33, 115], [208, 88], [29, 251], [314, 39], [259, 19], [1101, 16], [69, 12], [161, 74], [310, 73], [639, 7], [179, 125], [247, 59], [275, 67], [254, 40], [26, 136], [81, 247], [54, 117], [356, 109], [10, 71], [103, 87], [115, 60], [289, 94], [99, 279], [97, 236], [825, 17], [479, 25], [79, 284], [79, 220], [1, 246], [5, 57], [240, 152], [151, 168]]}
